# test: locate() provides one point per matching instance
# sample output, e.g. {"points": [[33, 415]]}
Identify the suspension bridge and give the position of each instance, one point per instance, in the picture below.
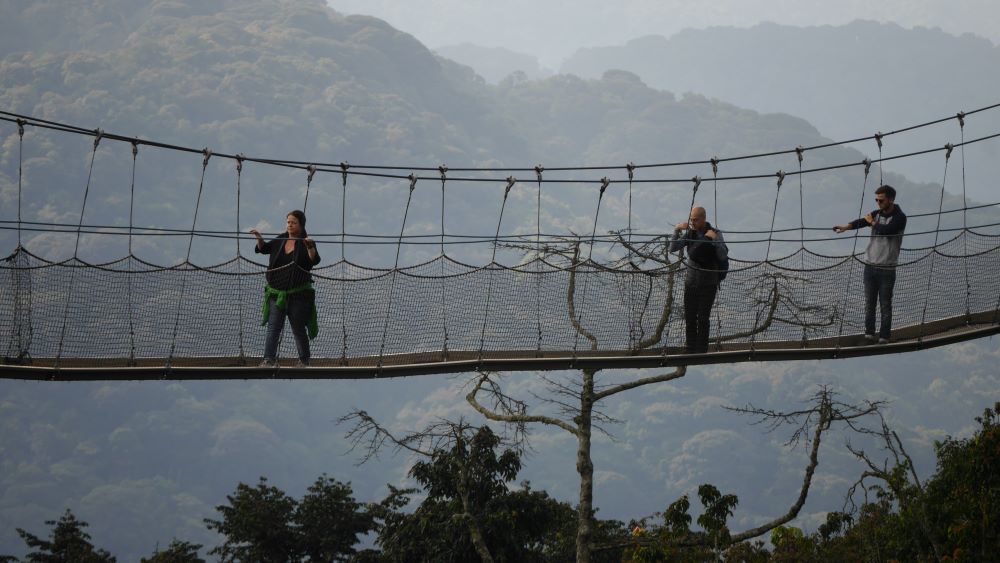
{"points": [[539, 297]]}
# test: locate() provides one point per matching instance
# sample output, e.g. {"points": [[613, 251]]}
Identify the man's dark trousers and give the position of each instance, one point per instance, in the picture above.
{"points": [[698, 301], [879, 283]]}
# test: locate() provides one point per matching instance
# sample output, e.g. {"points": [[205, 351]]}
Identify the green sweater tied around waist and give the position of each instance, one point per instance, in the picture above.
{"points": [[281, 301]]}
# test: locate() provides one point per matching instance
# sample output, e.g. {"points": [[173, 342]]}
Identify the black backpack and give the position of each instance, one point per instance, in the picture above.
{"points": [[704, 256]]}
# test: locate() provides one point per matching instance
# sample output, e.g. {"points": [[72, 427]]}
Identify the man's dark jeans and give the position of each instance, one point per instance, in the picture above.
{"points": [[879, 283], [698, 301]]}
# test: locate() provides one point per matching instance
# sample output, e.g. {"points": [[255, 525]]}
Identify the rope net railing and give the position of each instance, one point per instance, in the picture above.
{"points": [[451, 269]]}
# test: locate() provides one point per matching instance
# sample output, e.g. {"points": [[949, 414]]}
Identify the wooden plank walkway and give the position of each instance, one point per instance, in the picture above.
{"points": [[905, 339]]}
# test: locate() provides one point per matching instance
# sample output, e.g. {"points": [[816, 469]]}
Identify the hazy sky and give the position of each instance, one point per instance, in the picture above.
{"points": [[553, 29]]}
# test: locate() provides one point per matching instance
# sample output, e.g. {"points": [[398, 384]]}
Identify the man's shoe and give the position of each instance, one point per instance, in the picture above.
{"points": [[266, 363], [883, 340], [302, 364], [870, 338]]}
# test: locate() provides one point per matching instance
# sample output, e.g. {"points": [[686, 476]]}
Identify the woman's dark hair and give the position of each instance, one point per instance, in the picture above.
{"points": [[302, 220]]}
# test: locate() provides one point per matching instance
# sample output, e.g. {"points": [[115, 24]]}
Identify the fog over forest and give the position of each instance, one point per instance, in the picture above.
{"points": [[145, 462]]}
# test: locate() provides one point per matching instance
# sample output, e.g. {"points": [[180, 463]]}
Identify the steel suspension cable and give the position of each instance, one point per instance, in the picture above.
{"points": [[965, 225], [21, 337], [878, 141], [343, 262], [311, 170], [774, 213], [934, 250], [302, 164], [767, 256], [20, 173], [715, 216], [128, 277], [239, 255], [802, 238], [395, 272], [76, 248], [854, 250], [631, 278], [489, 291], [590, 254], [538, 258], [206, 155], [444, 315]]}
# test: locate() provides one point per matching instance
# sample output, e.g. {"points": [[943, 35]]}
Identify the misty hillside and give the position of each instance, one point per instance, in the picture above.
{"points": [[294, 79], [848, 80], [494, 63]]}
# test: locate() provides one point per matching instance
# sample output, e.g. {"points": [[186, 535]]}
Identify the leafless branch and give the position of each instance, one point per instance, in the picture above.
{"points": [[803, 419], [670, 376], [371, 437], [824, 413], [510, 410]]}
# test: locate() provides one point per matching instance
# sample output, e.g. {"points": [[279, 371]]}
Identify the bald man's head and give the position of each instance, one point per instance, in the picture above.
{"points": [[696, 221]]}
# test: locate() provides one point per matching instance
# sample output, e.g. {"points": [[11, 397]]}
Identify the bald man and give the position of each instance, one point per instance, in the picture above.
{"points": [[706, 254]]}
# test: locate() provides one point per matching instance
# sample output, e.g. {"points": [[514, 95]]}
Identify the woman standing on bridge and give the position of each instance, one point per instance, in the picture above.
{"points": [[289, 291]]}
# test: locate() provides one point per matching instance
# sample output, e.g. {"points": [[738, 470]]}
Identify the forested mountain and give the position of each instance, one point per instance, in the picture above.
{"points": [[293, 79], [296, 80], [849, 80]]}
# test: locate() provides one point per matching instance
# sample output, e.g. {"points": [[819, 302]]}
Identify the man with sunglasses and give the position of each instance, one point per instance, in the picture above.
{"points": [[888, 223]]}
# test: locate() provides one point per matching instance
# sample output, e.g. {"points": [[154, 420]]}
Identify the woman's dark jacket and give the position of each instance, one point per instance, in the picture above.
{"points": [[287, 271]]}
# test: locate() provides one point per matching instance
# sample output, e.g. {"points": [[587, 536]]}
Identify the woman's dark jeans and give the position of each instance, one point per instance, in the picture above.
{"points": [[298, 309], [879, 283]]}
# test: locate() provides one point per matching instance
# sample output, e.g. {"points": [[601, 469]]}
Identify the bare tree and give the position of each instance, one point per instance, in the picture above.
{"points": [[576, 400], [818, 419], [895, 473], [810, 424]]}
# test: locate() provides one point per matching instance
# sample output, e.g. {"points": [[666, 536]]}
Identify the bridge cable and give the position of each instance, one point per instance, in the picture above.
{"points": [[128, 277], [934, 250], [802, 237], [20, 161], [767, 258], [538, 258], [586, 281], [311, 171], [395, 271], [444, 314], [491, 269], [854, 250], [239, 256], [206, 155], [343, 262], [630, 167], [878, 141], [715, 215], [965, 226], [22, 330], [98, 134]]}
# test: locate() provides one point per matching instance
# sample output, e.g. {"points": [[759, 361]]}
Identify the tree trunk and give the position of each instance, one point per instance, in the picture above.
{"points": [[475, 532], [585, 468]]}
